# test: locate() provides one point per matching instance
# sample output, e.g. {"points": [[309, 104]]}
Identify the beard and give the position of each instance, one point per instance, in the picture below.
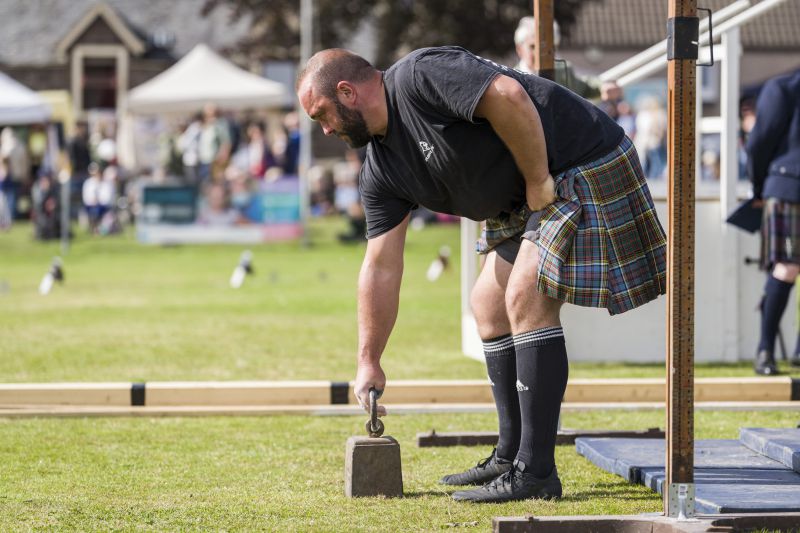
{"points": [[354, 128]]}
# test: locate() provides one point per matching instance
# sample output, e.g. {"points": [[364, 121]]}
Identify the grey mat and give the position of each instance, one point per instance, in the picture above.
{"points": [[782, 445], [729, 477], [627, 457]]}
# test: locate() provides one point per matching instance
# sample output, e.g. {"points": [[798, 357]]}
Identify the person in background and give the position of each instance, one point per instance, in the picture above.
{"points": [[626, 118], [651, 137], [773, 165], [46, 206], [214, 147], [188, 145], [611, 95], [346, 197], [612, 101], [287, 149], [106, 149], [322, 191], [257, 154], [525, 45], [216, 209], [37, 147], [79, 160], [16, 162], [99, 195], [6, 220]]}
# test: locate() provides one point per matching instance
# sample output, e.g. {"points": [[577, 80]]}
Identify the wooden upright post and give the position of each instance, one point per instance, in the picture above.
{"points": [[682, 54], [545, 50]]}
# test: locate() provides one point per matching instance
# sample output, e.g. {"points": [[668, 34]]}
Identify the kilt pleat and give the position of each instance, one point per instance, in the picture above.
{"points": [[600, 244], [780, 233]]}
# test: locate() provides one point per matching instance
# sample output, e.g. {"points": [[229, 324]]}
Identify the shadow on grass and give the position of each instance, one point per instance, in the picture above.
{"points": [[610, 490], [426, 493], [586, 495]]}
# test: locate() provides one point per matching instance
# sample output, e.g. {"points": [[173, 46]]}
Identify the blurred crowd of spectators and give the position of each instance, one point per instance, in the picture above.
{"points": [[222, 157], [227, 158], [27, 185], [645, 124]]}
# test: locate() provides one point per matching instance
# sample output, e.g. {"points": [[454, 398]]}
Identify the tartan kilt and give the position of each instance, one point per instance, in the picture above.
{"points": [[600, 244], [780, 233]]}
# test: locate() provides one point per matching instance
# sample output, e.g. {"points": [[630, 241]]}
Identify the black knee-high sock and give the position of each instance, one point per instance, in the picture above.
{"points": [[542, 371], [501, 367], [776, 294]]}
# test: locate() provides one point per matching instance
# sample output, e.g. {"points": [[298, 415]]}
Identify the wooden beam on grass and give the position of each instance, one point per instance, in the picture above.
{"points": [[112, 394], [60, 411], [564, 436], [645, 524], [644, 391], [238, 393]]}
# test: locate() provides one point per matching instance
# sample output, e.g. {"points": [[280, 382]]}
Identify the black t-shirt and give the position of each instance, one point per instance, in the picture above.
{"points": [[436, 154]]}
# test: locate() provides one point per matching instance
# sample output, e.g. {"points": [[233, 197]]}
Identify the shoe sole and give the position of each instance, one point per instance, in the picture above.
{"points": [[548, 497], [469, 483]]}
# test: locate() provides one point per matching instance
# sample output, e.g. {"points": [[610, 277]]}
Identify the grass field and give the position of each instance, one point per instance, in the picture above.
{"points": [[280, 474], [135, 313]]}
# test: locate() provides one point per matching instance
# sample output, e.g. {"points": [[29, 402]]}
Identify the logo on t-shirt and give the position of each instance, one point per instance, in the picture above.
{"points": [[427, 149]]}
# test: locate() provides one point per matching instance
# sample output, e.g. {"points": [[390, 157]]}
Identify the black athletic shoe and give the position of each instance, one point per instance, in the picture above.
{"points": [[514, 485], [485, 471], [765, 364]]}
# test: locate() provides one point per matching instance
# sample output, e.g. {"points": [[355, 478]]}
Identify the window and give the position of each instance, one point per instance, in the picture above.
{"points": [[99, 83]]}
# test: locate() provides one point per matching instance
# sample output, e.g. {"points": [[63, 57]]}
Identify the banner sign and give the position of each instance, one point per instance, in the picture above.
{"points": [[177, 214]]}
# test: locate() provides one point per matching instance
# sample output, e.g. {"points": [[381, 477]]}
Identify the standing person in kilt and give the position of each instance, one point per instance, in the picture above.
{"points": [[773, 150], [568, 217]]}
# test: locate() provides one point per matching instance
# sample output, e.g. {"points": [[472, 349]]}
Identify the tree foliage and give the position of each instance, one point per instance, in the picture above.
{"points": [[485, 27]]}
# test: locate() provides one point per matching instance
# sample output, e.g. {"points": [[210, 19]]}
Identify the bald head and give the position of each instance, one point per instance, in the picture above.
{"points": [[327, 68], [344, 94]]}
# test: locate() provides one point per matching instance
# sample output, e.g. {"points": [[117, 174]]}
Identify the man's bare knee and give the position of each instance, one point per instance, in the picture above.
{"points": [[487, 300], [482, 301], [527, 308], [518, 301]]}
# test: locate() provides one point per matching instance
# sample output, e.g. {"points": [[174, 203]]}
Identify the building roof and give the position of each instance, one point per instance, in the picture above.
{"points": [[101, 10], [31, 31], [642, 23]]}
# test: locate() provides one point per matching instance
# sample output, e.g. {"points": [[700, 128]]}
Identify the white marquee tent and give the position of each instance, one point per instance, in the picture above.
{"points": [[203, 76], [20, 105]]}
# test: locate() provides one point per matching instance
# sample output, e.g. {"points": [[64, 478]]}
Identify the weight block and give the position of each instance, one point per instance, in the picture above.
{"points": [[372, 467]]}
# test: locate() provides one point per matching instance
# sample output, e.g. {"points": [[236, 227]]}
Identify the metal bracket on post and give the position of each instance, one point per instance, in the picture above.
{"points": [[683, 38], [681, 501], [683, 34], [710, 39]]}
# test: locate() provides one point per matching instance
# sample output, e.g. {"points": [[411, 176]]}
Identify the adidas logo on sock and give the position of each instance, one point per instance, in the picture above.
{"points": [[521, 387], [490, 380]]}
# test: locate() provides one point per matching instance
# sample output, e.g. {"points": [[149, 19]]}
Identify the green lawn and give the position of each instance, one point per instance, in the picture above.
{"points": [[135, 313], [138, 313], [280, 473]]}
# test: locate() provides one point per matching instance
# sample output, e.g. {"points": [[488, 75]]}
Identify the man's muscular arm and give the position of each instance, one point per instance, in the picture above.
{"points": [[378, 300], [511, 112]]}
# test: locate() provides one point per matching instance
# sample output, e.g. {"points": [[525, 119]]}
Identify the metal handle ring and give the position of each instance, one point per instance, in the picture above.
{"points": [[374, 425]]}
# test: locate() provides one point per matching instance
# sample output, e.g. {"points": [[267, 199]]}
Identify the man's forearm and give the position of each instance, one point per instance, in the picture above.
{"points": [[378, 300]]}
